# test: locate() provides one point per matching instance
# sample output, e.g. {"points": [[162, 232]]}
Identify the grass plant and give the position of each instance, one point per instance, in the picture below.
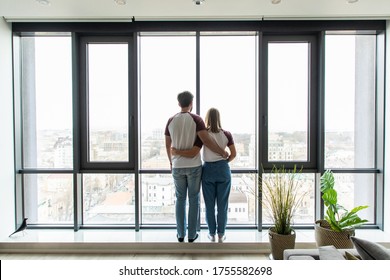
{"points": [[281, 194]]}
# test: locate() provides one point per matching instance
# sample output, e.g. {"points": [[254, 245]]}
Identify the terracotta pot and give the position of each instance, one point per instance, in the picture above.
{"points": [[325, 236], [280, 242]]}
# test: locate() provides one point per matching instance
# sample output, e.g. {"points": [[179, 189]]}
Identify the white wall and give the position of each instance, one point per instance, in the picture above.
{"points": [[185, 9], [387, 133], [7, 185]]}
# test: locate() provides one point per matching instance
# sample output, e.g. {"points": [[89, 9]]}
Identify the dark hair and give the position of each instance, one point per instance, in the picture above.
{"points": [[185, 98], [213, 120]]}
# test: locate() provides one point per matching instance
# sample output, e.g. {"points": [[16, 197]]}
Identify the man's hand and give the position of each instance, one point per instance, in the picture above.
{"points": [[211, 144], [173, 151]]}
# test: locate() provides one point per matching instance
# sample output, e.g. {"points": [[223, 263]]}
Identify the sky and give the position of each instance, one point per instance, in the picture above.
{"points": [[227, 82]]}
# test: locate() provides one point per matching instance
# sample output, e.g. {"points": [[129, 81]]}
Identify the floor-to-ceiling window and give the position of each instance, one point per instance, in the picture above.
{"points": [[167, 66], [289, 123], [106, 128], [46, 128], [229, 68], [351, 112], [93, 110]]}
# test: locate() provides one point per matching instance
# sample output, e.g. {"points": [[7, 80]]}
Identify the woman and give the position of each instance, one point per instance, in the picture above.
{"points": [[216, 175]]}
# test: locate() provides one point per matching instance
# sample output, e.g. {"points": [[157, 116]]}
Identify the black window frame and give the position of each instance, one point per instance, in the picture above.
{"points": [[112, 166], [313, 93]]}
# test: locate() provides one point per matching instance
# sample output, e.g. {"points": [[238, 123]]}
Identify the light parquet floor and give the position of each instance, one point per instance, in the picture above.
{"points": [[17, 256]]}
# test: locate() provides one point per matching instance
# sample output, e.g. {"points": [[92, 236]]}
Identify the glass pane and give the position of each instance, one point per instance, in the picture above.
{"points": [[108, 102], [158, 199], [305, 211], [109, 198], [47, 102], [350, 101], [288, 98], [167, 67], [355, 190], [228, 68], [48, 198]]}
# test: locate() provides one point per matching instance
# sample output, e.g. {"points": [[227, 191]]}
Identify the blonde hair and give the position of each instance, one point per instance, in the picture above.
{"points": [[213, 120]]}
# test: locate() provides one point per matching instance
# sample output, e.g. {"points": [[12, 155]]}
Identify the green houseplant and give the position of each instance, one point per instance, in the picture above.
{"points": [[281, 194], [339, 224]]}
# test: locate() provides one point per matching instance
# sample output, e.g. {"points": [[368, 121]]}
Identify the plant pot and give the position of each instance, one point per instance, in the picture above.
{"points": [[280, 242], [325, 236]]}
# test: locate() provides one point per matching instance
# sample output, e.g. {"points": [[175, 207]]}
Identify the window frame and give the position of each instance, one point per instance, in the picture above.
{"points": [[85, 164], [313, 93]]}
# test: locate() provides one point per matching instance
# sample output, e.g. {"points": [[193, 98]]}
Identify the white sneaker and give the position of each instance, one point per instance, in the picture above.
{"points": [[211, 237], [221, 238]]}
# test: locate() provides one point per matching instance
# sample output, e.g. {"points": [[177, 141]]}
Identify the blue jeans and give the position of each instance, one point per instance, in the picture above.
{"points": [[187, 180], [216, 183]]}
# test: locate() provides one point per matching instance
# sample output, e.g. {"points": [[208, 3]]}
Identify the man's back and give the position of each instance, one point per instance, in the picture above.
{"points": [[183, 128]]}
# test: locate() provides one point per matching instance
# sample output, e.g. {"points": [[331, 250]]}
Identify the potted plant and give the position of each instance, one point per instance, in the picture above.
{"points": [[339, 224], [281, 195]]}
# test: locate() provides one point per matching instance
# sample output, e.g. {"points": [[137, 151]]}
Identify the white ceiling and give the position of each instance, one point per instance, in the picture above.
{"points": [[100, 10]]}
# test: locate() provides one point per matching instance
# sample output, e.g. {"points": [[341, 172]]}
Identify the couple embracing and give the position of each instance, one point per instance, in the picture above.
{"points": [[185, 135]]}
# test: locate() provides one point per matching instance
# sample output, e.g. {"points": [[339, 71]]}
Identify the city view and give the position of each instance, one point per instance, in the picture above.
{"points": [[110, 198]]}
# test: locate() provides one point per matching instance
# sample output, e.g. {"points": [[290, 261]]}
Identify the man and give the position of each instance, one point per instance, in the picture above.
{"points": [[183, 131]]}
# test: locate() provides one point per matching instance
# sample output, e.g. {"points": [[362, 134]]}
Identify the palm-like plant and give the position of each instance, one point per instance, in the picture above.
{"points": [[337, 216], [281, 194]]}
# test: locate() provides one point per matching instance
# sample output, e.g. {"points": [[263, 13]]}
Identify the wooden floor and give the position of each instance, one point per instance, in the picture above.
{"points": [[251, 245], [16, 256]]}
